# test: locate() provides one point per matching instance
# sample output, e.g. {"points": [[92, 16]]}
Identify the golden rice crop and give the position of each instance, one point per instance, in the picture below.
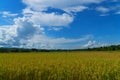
{"points": [[60, 66]]}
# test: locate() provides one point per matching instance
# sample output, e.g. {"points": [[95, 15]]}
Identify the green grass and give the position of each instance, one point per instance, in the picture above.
{"points": [[60, 66]]}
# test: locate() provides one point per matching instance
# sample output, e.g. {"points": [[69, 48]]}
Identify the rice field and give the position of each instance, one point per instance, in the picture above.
{"points": [[60, 66]]}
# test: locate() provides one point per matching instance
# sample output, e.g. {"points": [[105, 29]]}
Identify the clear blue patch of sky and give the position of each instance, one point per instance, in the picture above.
{"points": [[14, 6]]}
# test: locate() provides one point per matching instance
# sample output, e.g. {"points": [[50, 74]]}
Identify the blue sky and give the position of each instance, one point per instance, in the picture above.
{"points": [[63, 24]]}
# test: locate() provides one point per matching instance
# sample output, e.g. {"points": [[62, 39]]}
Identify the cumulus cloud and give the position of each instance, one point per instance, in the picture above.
{"points": [[22, 29], [29, 30], [25, 28], [43, 4], [51, 20], [35, 11], [20, 35], [8, 14], [7, 34], [24, 33]]}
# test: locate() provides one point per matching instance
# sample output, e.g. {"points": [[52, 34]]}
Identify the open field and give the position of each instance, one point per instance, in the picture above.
{"points": [[60, 66]]}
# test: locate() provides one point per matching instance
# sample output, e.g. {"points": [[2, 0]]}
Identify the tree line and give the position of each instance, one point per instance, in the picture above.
{"points": [[105, 48]]}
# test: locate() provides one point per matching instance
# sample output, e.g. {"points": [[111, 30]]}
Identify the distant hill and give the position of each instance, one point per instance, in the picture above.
{"points": [[105, 48]]}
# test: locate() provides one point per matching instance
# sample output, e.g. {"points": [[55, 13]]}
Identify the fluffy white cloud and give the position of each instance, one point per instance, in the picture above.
{"points": [[24, 33], [25, 28], [48, 19], [7, 14], [28, 31], [22, 29], [61, 4], [7, 34], [51, 19], [19, 35], [35, 10]]}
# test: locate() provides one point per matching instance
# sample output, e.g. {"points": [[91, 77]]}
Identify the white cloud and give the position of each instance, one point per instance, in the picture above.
{"points": [[7, 34], [28, 31], [64, 40], [75, 9], [117, 12], [61, 4], [102, 9], [43, 41], [7, 14], [35, 12], [24, 33], [22, 29], [104, 14], [51, 19], [25, 28], [11, 36], [90, 44]]}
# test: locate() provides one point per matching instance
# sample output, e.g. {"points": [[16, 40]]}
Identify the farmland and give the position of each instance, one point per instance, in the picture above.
{"points": [[74, 65]]}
